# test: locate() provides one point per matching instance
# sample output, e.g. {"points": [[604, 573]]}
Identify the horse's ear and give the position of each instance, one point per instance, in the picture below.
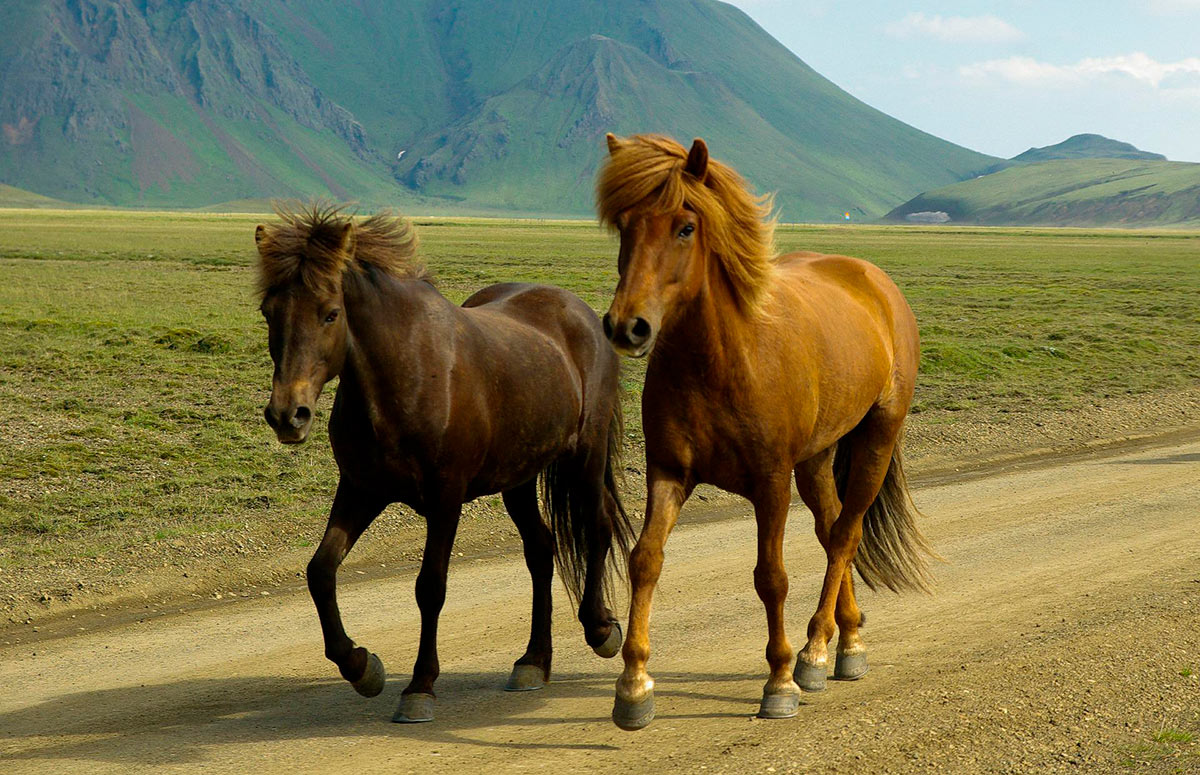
{"points": [[347, 243], [697, 160], [260, 236], [613, 143]]}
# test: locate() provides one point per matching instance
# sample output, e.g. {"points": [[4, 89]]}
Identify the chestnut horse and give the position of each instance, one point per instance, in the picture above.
{"points": [[761, 368], [437, 405]]}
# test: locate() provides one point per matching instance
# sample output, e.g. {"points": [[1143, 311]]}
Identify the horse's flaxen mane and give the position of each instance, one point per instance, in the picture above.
{"points": [[319, 241], [735, 224]]}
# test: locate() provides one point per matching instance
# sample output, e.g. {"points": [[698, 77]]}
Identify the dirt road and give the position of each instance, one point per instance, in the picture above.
{"points": [[1064, 636]]}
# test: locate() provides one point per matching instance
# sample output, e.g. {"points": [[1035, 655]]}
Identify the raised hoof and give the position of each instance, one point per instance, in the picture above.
{"points": [[632, 716], [414, 708], [850, 667], [525, 678], [782, 704], [810, 678], [611, 647], [373, 678]]}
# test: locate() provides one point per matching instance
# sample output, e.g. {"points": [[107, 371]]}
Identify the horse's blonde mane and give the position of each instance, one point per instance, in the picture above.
{"points": [[736, 225], [308, 245]]}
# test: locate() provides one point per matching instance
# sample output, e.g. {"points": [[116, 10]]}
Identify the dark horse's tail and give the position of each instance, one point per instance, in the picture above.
{"points": [[892, 551], [571, 517]]}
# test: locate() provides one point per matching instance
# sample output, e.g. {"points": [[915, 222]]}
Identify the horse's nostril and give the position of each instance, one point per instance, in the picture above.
{"points": [[608, 326], [271, 417], [640, 330], [302, 416]]}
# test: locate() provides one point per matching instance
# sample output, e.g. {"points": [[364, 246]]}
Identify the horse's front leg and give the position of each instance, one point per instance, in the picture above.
{"points": [[416, 703], [350, 515], [634, 706]]}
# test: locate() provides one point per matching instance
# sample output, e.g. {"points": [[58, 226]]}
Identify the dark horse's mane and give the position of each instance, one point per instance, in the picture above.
{"points": [[317, 242]]}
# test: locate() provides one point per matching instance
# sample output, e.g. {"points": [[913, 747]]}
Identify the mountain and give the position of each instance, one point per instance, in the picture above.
{"points": [[1087, 146], [1068, 192], [19, 197], [486, 106]]}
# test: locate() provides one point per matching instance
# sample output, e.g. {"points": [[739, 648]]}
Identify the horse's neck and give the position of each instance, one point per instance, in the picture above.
{"points": [[711, 336], [385, 319]]}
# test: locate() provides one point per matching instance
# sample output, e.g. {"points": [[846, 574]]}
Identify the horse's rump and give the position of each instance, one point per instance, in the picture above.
{"points": [[547, 316]]}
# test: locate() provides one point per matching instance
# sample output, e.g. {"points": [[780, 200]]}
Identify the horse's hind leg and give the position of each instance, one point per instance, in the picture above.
{"points": [[583, 512], [818, 489], [871, 446], [532, 670], [416, 702], [781, 695], [350, 515], [598, 512]]}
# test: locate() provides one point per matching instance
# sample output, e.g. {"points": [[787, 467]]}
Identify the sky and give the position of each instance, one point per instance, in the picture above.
{"points": [[1005, 76]]}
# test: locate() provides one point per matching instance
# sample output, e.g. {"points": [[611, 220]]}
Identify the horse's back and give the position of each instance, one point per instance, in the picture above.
{"points": [[862, 319], [549, 312], [836, 281], [538, 305]]}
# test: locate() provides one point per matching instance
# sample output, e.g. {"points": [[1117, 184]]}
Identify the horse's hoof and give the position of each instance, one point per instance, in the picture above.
{"points": [[810, 678], [780, 704], [414, 708], [850, 667], [632, 716], [525, 678], [372, 679], [611, 647]]}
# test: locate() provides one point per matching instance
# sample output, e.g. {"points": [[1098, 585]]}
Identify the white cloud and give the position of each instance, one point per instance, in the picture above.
{"points": [[955, 29], [1138, 66]]}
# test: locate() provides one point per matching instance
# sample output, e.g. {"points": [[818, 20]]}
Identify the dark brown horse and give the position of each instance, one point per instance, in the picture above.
{"points": [[437, 405], [760, 368]]}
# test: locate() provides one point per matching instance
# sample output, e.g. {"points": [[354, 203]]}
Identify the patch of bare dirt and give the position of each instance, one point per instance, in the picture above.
{"points": [[206, 570], [1063, 637]]}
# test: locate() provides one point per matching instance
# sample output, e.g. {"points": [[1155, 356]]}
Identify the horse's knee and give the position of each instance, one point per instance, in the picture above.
{"points": [[770, 581], [320, 574], [431, 591], [645, 564]]}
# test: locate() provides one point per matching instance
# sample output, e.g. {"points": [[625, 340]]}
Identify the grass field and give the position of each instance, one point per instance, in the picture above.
{"points": [[133, 363]]}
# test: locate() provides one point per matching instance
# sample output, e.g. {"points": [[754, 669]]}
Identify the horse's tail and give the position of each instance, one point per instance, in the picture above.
{"points": [[571, 519], [892, 551]]}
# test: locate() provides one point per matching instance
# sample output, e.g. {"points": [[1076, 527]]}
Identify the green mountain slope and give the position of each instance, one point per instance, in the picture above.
{"points": [[456, 105], [1071, 192], [1087, 146], [19, 197]]}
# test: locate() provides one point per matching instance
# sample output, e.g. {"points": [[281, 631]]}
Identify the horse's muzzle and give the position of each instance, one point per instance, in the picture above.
{"points": [[290, 424], [633, 337]]}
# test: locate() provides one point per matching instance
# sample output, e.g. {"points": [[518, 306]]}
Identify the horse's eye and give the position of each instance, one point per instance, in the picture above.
{"points": [[332, 316], [686, 231]]}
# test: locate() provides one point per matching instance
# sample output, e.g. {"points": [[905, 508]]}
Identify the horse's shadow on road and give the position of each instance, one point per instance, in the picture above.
{"points": [[190, 720]]}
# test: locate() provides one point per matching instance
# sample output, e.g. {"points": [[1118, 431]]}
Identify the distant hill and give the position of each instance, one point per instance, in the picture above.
{"points": [[1069, 192], [1087, 146], [10, 196], [484, 106]]}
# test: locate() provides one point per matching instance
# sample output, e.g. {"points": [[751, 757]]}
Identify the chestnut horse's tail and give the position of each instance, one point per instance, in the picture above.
{"points": [[892, 551], [577, 521]]}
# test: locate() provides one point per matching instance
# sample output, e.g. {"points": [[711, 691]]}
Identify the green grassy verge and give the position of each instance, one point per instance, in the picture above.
{"points": [[133, 363]]}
